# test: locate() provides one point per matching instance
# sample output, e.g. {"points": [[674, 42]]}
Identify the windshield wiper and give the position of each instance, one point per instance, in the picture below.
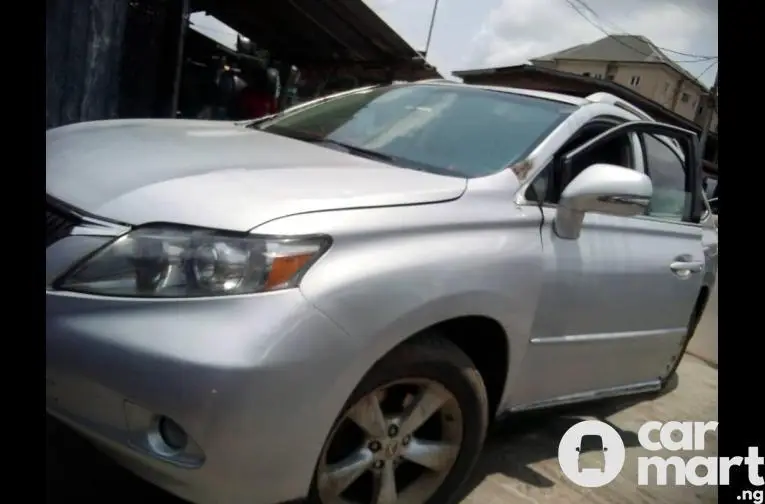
{"points": [[352, 149], [363, 152]]}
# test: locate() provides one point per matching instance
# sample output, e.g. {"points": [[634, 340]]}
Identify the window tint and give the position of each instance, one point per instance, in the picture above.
{"points": [[671, 200], [616, 151], [468, 132]]}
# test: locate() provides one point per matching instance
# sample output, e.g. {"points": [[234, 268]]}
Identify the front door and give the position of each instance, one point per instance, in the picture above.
{"points": [[616, 302]]}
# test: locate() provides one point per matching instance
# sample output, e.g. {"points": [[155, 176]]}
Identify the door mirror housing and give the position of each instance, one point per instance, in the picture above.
{"points": [[602, 188], [686, 140]]}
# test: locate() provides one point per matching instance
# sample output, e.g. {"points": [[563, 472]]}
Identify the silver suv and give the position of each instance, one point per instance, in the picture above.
{"points": [[334, 302]]}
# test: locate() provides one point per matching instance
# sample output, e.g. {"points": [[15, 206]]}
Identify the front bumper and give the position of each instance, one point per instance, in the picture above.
{"points": [[251, 379]]}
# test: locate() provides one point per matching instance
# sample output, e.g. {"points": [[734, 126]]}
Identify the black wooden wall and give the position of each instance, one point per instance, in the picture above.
{"points": [[83, 41], [110, 58]]}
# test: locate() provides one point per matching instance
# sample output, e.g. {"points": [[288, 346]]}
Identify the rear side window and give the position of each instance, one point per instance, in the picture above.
{"points": [[671, 197]]}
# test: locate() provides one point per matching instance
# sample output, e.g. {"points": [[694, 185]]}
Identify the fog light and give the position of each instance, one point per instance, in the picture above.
{"points": [[172, 434]]}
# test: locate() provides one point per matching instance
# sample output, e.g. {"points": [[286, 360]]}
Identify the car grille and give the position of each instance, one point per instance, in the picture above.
{"points": [[58, 224]]}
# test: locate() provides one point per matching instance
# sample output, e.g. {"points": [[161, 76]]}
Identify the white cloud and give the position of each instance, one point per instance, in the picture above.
{"points": [[521, 29], [482, 33]]}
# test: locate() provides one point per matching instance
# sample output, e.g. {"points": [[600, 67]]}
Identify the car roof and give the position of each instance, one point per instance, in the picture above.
{"points": [[559, 97]]}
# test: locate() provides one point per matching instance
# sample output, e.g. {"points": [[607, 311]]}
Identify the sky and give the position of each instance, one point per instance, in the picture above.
{"points": [[486, 33]]}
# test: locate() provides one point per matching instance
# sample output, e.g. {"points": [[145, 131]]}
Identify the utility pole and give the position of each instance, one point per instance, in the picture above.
{"points": [[430, 30], [709, 111]]}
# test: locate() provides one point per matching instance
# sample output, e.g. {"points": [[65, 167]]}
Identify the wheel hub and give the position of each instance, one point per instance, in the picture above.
{"points": [[390, 447], [410, 442], [391, 451]]}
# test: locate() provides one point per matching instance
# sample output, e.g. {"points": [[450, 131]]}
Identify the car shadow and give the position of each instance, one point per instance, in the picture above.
{"points": [[76, 472], [520, 440]]}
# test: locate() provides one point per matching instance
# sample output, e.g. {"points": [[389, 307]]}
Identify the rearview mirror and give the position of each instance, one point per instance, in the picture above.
{"points": [[602, 188]]}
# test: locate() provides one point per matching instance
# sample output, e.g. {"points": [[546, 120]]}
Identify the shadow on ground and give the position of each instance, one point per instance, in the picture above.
{"points": [[76, 472], [523, 439]]}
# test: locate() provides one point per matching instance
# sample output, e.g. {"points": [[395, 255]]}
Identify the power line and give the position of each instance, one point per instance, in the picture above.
{"points": [[708, 68], [579, 6], [701, 58], [584, 5]]}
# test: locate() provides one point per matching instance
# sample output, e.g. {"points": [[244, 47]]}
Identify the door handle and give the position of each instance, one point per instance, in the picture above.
{"points": [[685, 268]]}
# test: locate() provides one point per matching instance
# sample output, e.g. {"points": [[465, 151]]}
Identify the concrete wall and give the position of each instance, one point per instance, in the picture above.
{"points": [[595, 69], [656, 82]]}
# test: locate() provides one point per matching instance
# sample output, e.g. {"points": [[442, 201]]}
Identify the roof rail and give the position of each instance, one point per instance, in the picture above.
{"points": [[625, 105], [618, 102]]}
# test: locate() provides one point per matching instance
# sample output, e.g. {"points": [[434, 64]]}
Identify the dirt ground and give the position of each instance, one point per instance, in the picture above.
{"points": [[519, 463]]}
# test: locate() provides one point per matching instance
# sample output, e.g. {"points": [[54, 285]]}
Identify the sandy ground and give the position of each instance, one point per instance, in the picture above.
{"points": [[519, 464]]}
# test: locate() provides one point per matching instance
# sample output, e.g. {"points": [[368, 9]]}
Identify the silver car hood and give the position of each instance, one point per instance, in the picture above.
{"points": [[218, 174]]}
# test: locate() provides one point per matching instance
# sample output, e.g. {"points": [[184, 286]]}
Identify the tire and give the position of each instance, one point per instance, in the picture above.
{"points": [[438, 360], [693, 323]]}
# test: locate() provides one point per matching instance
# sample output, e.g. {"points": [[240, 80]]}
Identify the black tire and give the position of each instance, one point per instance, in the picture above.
{"points": [[693, 323], [437, 359]]}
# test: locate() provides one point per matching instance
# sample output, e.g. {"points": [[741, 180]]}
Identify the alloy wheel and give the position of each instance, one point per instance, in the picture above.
{"points": [[395, 445]]}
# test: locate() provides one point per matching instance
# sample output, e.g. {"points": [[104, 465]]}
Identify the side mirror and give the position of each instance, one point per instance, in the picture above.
{"points": [[602, 188]]}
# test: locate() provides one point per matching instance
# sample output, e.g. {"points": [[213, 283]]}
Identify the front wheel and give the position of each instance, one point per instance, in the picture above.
{"points": [[410, 433]]}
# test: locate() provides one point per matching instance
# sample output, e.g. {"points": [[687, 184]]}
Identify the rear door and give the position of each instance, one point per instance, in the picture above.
{"points": [[616, 301]]}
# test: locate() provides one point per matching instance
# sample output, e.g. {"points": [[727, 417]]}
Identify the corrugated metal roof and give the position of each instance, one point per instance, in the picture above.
{"points": [[318, 32]]}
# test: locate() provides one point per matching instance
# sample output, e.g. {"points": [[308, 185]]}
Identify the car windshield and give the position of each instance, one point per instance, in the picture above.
{"points": [[460, 131]]}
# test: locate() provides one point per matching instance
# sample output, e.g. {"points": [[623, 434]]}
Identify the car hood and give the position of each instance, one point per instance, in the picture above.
{"points": [[219, 174]]}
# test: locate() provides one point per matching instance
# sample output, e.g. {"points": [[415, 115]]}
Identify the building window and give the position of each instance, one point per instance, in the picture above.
{"points": [[634, 80], [666, 87], [609, 77], [586, 74], [598, 76], [685, 97]]}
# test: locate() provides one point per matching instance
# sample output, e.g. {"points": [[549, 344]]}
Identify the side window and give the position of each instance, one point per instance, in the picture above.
{"points": [[671, 198], [550, 182]]}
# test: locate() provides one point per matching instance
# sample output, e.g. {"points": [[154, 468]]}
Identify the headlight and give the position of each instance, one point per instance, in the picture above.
{"points": [[162, 262]]}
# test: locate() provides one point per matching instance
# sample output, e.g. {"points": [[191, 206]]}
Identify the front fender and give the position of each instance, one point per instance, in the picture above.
{"points": [[378, 337], [410, 268], [392, 272]]}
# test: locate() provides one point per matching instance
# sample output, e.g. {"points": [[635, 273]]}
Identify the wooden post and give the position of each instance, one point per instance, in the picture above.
{"points": [[709, 110], [184, 25]]}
